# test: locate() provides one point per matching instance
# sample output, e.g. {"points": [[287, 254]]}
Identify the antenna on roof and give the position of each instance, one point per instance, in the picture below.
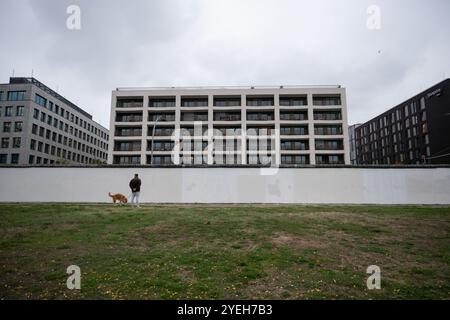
{"points": [[13, 72], [32, 73]]}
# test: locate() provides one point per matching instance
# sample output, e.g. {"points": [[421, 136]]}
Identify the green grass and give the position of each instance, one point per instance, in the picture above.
{"points": [[224, 252]]}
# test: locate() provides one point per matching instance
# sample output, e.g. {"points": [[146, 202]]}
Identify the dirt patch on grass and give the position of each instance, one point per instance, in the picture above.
{"points": [[296, 242]]}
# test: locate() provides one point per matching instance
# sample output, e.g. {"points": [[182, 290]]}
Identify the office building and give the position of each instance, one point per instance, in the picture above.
{"points": [[416, 131], [262, 126], [40, 127]]}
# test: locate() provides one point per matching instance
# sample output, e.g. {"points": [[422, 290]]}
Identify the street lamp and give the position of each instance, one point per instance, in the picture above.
{"points": [[153, 138]]}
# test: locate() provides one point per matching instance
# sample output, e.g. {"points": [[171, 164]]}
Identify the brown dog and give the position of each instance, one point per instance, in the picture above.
{"points": [[118, 197]]}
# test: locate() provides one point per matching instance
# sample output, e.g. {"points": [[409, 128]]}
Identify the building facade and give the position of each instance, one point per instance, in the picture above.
{"points": [[229, 125], [416, 131], [39, 126], [352, 144]]}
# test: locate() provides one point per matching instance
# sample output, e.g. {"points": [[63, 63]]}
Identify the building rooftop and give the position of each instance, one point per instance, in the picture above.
{"points": [[40, 85], [280, 87]]}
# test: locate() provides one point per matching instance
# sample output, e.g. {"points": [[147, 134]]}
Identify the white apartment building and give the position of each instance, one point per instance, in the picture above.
{"points": [[267, 126]]}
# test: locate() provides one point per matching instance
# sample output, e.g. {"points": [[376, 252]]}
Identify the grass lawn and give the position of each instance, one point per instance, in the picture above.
{"points": [[224, 252]]}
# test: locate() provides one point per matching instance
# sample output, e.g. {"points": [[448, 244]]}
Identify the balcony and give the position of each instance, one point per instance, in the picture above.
{"points": [[128, 132], [161, 102], [127, 160], [327, 100], [193, 131], [260, 131], [260, 101], [194, 102], [162, 116], [330, 159], [323, 130], [127, 146], [291, 101], [329, 144], [227, 101], [160, 131], [294, 145], [294, 131], [228, 131], [129, 102], [160, 145], [194, 116], [295, 159], [128, 117], [260, 116], [328, 115], [227, 116], [293, 116]]}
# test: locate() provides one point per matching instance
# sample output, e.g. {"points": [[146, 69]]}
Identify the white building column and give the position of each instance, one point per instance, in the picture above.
{"points": [[312, 146]]}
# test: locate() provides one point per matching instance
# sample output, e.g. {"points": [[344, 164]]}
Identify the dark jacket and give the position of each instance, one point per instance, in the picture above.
{"points": [[135, 185]]}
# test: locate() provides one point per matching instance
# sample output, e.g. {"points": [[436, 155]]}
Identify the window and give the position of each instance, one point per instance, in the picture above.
{"points": [[34, 129], [43, 116], [33, 144], [15, 158], [298, 131], [227, 101], [422, 103], [5, 143], [260, 101], [130, 103], [194, 102], [259, 116], [40, 100], [31, 159], [328, 115], [326, 100], [293, 101], [3, 158], [18, 126], [8, 111], [294, 159], [17, 141], [20, 111], [36, 114], [127, 159], [7, 127], [16, 95], [293, 115]]}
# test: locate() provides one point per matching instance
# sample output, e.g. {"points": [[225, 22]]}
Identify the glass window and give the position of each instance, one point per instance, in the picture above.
{"points": [[20, 111], [8, 111], [17, 142], [7, 127], [33, 144], [40, 100], [5, 143], [15, 158], [16, 95], [18, 126], [3, 158]]}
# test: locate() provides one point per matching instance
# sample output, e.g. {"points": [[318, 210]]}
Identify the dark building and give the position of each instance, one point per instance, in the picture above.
{"points": [[414, 132]]}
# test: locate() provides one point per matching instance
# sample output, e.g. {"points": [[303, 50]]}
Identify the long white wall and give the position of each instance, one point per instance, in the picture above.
{"points": [[230, 185]]}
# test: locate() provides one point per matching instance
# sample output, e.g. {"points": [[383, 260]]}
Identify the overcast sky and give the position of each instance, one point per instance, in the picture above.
{"points": [[228, 42]]}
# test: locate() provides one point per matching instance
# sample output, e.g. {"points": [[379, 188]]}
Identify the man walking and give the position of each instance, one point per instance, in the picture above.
{"points": [[135, 186]]}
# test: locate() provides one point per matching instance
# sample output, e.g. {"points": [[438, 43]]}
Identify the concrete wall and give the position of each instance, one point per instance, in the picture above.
{"points": [[230, 185]]}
